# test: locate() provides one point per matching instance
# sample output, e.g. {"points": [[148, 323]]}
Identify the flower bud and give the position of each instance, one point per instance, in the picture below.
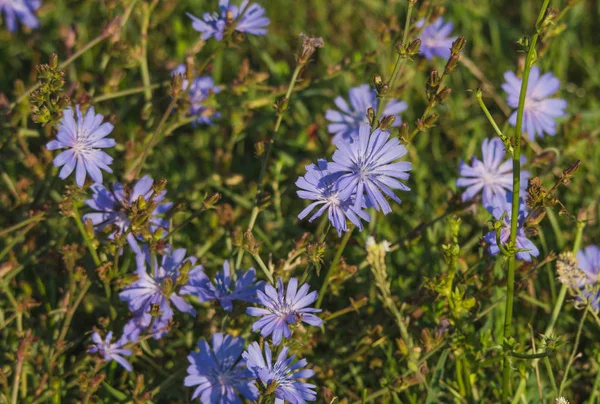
{"points": [[451, 65], [403, 132], [434, 79], [414, 47], [387, 122], [211, 201], [377, 80], [176, 84], [458, 45], [371, 115], [53, 61], [429, 122], [160, 185], [443, 94]]}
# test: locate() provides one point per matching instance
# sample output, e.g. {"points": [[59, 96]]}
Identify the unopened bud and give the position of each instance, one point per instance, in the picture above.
{"points": [[53, 61], [229, 17], [443, 94], [160, 185], [434, 79], [280, 105], [549, 17], [176, 84], [403, 132], [371, 115], [211, 201], [141, 203], [387, 122], [458, 45], [414, 47], [377, 80], [430, 121], [571, 170]]}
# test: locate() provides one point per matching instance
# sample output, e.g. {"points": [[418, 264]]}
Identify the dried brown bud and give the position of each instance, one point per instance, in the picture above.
{"points": [[176, 84], [308, 48], [443, 94]]}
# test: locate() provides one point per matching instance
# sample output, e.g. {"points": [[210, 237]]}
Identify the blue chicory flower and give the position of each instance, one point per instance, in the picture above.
{"points": [[160, 288], [22, 10], [284, 374], [502, 205], [490, 174], [219, 372], [346, 122], [322, 187], [111, 206], [83, 138], [200, 89], [111, 352], [588, 261], [370, 169], [225, 288], [540, 110], [283, 309], [435, 39], [214, 24]]}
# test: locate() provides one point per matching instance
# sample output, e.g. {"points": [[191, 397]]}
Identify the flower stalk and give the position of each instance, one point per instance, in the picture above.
{"points": [[510, 281]]}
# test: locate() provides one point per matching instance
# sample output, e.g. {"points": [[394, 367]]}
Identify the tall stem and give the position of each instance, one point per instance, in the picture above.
{"points": [[334, 264], [510, 282], [401, 58], [86, 238], [265, 160]]}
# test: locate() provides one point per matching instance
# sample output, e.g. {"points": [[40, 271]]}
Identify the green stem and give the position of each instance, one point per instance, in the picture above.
{"points": [[264, 268], [144, 59], [334, 264], [15, 387], [125, 93], [157, 131], [529, 356], [574, 352], [71, 311], [86, 238], [401, 58], [483, 107], [265, 161], [510, 281], [25, 222], [551, 376]]}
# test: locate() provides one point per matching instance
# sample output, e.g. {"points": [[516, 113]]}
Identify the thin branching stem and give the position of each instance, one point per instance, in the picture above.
{"points": [[266, 157]]}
